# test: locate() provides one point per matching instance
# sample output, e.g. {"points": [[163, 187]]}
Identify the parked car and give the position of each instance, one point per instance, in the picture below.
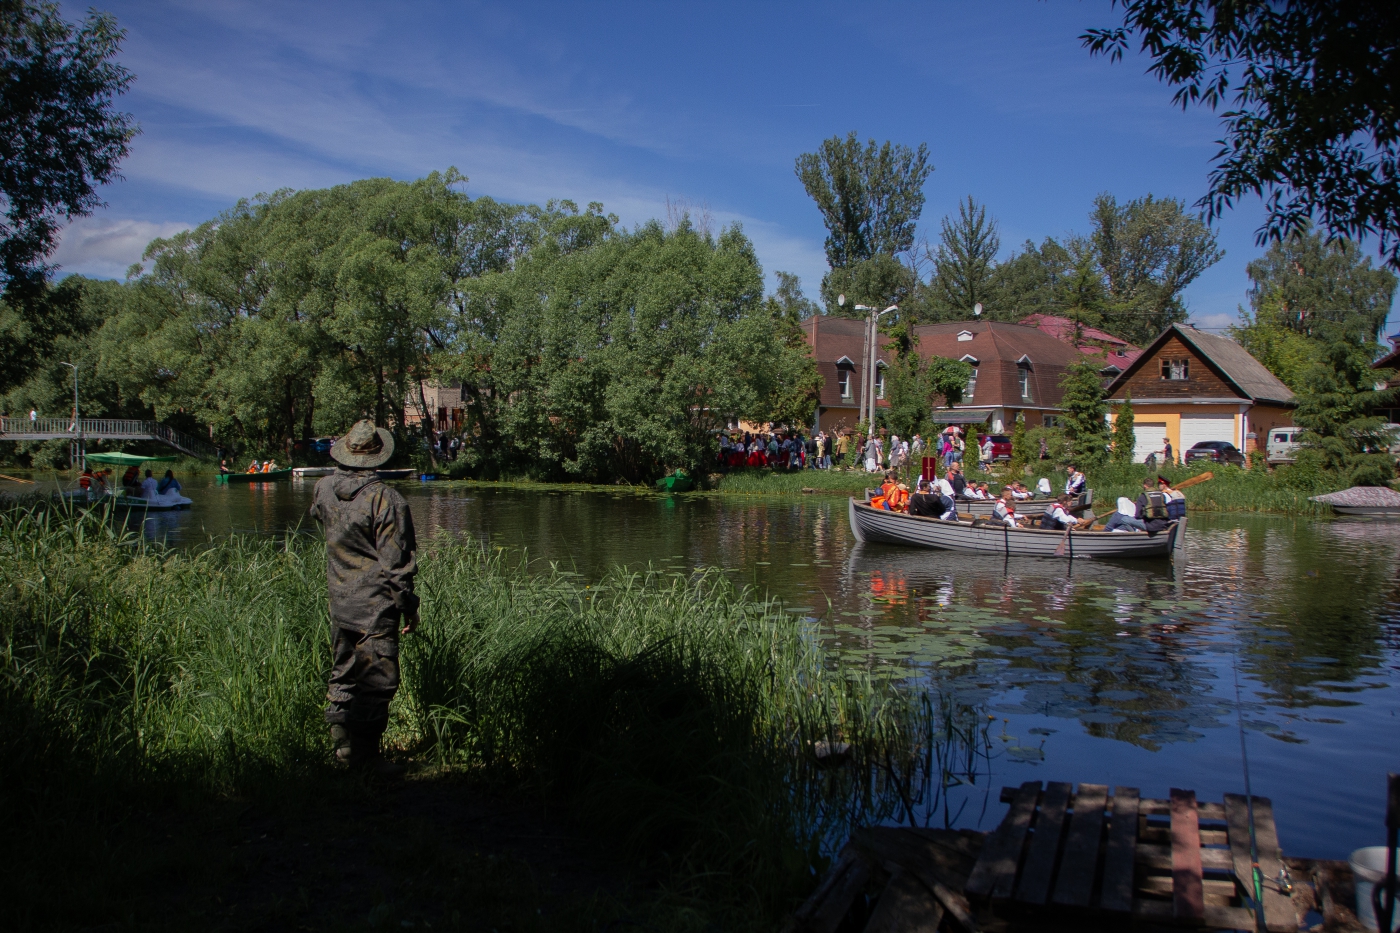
{"points": [[1216, 451], [1282, 444], [1001, 445]]}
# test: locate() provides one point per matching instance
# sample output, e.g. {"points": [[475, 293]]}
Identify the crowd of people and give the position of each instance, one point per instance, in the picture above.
{"points": [[839, 450]]}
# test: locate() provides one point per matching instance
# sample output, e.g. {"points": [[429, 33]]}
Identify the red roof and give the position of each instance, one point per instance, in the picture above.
{"points": [[1089, 340]]}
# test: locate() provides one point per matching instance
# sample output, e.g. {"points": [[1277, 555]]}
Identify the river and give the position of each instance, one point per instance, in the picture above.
{"points": [[1119, 674]]}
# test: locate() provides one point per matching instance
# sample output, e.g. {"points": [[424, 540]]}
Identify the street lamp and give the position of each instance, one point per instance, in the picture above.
{"points": [[77, 425], [871, 338]]}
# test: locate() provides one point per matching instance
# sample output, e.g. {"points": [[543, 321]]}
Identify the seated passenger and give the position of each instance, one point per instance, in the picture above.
{"points": [[148, 488], [923, 502], [169, 484], [253, 467], [1020, 493], [1057, 515], [1043, 487], [1176, 502], [1005, 511], [899, 498], [1125, 519]]}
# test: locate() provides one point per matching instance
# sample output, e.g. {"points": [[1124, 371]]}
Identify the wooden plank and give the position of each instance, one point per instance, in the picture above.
{"points": [[994, 875], [905, 905], [1206, 811], [829, 904], [1223, 918], [1278, 906], [1119, 854], [941, 871], [1188, 900], [1237, 818], [1039, 870], [1159, 858], [1075, 883], [1218, 891]]}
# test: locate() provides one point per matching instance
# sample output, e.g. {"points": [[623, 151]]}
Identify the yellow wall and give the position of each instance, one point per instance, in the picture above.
{"points": [[1172, 416]]}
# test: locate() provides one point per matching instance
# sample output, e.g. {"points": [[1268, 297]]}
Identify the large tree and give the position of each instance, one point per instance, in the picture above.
{"points": [[964, 264], [870, 198], [1148, 250], [1312, 91], [61, 136]]}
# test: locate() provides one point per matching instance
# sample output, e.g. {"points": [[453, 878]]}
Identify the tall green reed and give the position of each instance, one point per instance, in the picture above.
{"points": [[677, 718]]}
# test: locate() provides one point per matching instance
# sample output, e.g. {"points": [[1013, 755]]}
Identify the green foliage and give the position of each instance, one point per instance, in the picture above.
{"points": [[965, 261], [1310, 91], [1336, 405], [1124, 440], [1148, 251], [671, 719], [914, 385], [60, 135], [870, 197], [1020, 447], [1085, 408]]}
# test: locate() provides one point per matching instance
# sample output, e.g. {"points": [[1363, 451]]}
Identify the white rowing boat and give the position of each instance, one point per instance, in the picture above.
{"points": [[304, 472], [870, 524]]}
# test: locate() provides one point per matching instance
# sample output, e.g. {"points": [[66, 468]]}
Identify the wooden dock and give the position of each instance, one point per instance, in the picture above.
{"points": [[1081, 860]]}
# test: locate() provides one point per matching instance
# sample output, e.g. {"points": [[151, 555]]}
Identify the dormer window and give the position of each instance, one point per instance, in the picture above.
{"points": [[964, 335], [1023, 371], [845, 377], [971, 384]]}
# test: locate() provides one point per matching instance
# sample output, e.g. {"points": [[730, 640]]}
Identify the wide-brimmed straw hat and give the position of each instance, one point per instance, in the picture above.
{"points": [[364, 446]]}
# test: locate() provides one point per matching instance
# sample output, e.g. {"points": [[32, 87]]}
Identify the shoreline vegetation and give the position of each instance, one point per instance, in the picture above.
{"points": [[672, 721]]}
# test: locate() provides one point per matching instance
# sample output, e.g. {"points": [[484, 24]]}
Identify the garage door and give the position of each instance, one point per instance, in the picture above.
{"points": [[1147, 439], [1207, 428]]}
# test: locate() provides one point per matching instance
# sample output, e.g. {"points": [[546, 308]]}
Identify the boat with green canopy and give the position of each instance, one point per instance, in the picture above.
{"points": [[146, 496]]}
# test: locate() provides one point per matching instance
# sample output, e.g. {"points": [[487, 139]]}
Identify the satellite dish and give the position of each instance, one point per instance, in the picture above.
{"points": [[841, 300], [977, 309]]}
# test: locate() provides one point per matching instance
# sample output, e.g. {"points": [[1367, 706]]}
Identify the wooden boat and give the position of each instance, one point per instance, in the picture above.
{"points": [[304, 472], [1374, 501], [676, 482], [878, 525], [225, 479]]}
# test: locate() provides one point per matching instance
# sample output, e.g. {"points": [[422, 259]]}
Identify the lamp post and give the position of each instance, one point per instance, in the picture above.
{"points": [[78, 454], [871, 338]]}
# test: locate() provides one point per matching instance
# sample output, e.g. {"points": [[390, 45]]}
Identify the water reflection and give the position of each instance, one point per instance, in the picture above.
{"points": [[1098, 671]]}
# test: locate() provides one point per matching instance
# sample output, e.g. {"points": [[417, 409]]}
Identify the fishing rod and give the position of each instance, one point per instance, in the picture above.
{"points": [[1257, 875]]}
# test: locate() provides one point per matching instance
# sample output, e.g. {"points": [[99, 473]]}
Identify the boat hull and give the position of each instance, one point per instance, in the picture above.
{"points": [[227, 479], [1375, 511], [304, 472], [877, 525]]}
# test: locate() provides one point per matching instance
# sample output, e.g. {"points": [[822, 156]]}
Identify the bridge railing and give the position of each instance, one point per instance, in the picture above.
{"points": [[104, 429]]}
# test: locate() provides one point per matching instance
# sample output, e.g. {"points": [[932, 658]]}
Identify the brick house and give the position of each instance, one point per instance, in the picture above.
{"points": [[1016, 370], [1191, 386]]}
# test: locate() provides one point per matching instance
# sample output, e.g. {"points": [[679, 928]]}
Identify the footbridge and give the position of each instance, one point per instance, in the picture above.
{"points": [[103, 429]]}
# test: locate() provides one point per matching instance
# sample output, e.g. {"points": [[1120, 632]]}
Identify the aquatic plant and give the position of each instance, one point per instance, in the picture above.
{"points": [[675, 717]]}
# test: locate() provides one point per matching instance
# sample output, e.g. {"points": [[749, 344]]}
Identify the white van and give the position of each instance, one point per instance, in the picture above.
{"points": [[1282, 445]]}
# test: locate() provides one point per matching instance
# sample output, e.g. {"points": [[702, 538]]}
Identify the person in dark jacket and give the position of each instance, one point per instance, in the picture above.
{"points": [[1152, 507], [371, 560]]}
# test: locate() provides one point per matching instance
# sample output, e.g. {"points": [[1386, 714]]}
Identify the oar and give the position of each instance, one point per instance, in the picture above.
{"points": [[1198, 478], [16, 479]]}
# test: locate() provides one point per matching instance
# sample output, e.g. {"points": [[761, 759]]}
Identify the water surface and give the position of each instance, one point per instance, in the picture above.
{"points": [[1099, 672]]}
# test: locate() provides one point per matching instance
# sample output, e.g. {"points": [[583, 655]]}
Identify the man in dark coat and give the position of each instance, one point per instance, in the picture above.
{"points": [[370, 565]]}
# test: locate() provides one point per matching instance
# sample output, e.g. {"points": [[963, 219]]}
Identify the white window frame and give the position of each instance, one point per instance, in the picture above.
{"points": [[1176, 370], [971, 384]]}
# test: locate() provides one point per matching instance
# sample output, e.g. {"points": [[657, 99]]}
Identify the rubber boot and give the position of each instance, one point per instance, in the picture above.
{"points": [[341, 743], [367, 756]]}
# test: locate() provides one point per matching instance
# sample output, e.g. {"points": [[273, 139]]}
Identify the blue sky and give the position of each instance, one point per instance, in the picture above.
{"points": [[630, 104]]}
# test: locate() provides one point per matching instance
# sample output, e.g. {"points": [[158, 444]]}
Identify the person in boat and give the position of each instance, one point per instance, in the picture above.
{"points": [[85, 480], [923, 502], [1125, 519], [1075, 484], [223, 468], [1042, 487], [1005, 511], [149, 490], [1057, 517], [956, 481], [253, 467], [1149, 511], [131, 479], [371, 561], [899, 498], [169, 484], [1019, 492], [1176, 500]]}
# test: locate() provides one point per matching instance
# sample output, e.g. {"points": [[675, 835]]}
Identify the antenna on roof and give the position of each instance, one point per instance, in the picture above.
{"points": [[977, 309]]}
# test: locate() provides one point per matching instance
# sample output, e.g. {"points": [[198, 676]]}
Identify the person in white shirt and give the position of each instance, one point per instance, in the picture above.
{"points": [[1005, 511], [1043, 487], [1075, 484], [150, 488], [1057, 515]]}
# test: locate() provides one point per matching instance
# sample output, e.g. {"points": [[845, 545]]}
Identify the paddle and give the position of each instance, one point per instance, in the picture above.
{"points": [[1199, 478]]}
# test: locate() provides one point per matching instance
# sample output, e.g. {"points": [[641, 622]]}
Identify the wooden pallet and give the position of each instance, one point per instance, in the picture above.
{"points": [[1175, 861]]}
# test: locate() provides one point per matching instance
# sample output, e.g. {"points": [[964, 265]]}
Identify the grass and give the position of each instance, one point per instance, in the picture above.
{"points": [[668, 720]]}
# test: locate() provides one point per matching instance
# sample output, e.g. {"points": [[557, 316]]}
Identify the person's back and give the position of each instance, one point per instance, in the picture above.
{"points": [[149, 487], [1151, 509], [371, 561]]}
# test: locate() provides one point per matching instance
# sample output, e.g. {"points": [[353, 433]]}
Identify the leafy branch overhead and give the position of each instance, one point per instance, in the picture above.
{"points": [[1310, 91]]}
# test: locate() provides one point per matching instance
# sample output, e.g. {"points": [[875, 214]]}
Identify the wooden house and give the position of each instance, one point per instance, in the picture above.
{"points": [[1190, 386]]}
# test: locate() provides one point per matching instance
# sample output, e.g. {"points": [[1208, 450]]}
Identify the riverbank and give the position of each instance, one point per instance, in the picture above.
{"points": [[667, 724]]}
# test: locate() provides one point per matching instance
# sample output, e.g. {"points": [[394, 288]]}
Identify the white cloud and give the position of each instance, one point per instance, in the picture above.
{"points": [[103, 247]]}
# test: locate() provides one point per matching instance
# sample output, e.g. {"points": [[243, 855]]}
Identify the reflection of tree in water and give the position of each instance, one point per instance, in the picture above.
{"points": [[1322, 621]]}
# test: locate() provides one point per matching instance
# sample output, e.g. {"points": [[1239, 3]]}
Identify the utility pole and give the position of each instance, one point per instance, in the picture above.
{"points": [[78, 456], [872, 338]]}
